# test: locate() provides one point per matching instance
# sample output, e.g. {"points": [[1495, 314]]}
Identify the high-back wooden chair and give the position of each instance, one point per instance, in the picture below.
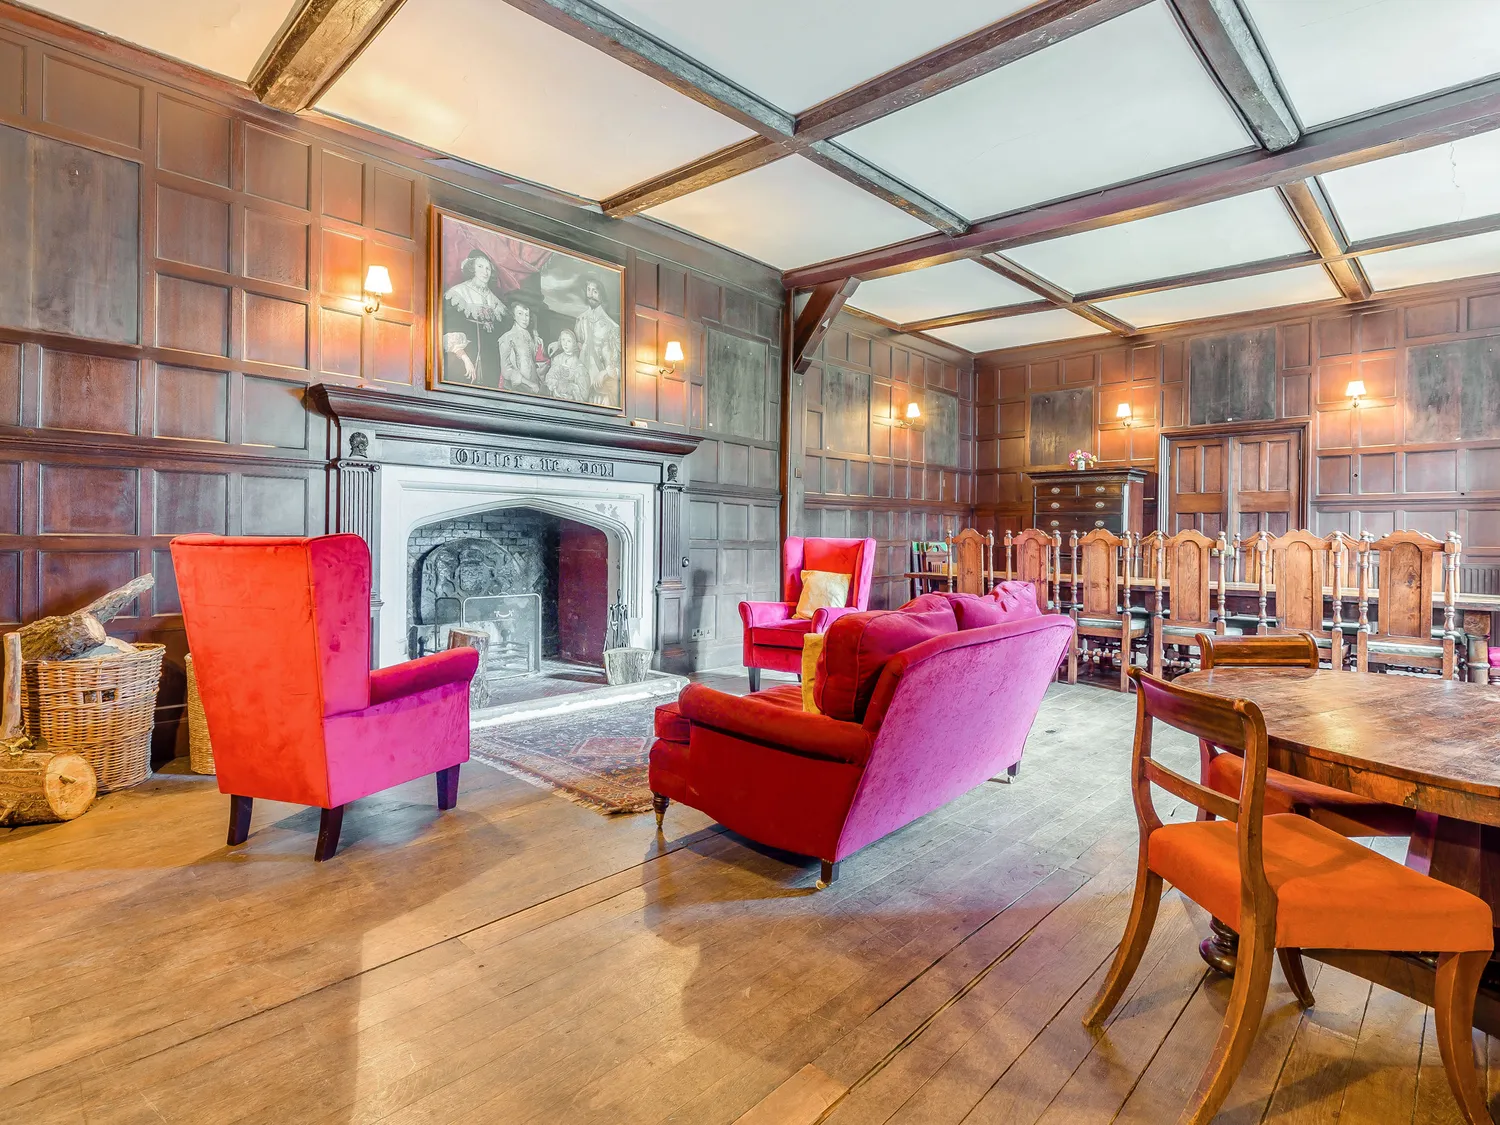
{"points": [[1284, 883], [1033, 556], [1101, 607], [1301, 562], [970, 561], [1185, 563], [1402, 635]]}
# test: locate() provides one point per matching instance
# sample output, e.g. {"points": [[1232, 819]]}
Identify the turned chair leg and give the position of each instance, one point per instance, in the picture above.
{"points": [[829, 873], [1073, 661], [239, 819], [328, 833], [1132, 945], [1247, 1001], [754, 679], [1453, 1011], [659, 804], [1296, 975], [447, 787]]}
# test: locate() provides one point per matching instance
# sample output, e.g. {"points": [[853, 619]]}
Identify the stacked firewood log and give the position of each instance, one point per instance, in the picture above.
{"points": [[37, 785]]}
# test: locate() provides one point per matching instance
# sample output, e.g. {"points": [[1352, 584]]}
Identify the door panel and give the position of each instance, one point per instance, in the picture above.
{"points": [[1238, 484], [1199, 500]]}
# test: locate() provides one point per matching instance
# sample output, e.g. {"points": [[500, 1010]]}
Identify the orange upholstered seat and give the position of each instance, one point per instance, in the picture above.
{"points": [[1331, 893], [1344, 812]]}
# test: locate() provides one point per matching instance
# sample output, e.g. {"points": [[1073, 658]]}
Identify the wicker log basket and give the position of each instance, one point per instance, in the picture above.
{"points": [[101, 709], [200, 750]]}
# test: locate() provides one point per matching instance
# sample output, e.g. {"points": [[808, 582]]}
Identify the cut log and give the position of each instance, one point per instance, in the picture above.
{"points": [[38, 787], [112, 646], [479, 688], [111, 604], [12, 723], [58, 638]]}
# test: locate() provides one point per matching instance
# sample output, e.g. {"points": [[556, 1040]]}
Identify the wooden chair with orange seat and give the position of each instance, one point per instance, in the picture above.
{"points": [[1286, 883]]}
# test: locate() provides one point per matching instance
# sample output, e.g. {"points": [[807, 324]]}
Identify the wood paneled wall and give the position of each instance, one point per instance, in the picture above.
{"points": [[1422, 452], [863, 474], [182, 263]]}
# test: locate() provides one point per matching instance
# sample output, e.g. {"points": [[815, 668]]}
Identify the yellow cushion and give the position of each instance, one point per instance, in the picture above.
{"points": [[821, 589], [812, 649]]}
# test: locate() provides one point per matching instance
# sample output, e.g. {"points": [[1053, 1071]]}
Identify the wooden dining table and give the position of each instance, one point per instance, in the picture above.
{"points": [[1428, 744]]}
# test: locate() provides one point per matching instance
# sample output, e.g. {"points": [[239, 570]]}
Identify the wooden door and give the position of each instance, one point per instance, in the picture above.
{"points": [[1266, 482], [1198, 485]]}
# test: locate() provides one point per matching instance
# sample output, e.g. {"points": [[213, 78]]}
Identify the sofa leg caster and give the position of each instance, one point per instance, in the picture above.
{"points": [[447, 787], [659, 804], [328, 833], [239, 819], [754, 679], [829, 874], [1013, 770]]}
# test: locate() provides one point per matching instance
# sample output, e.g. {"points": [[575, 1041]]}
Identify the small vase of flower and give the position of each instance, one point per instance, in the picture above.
{"points": [[1081, 459]]}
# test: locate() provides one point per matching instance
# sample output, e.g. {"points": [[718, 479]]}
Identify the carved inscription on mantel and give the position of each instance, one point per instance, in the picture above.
{"points": [[477, 457]]}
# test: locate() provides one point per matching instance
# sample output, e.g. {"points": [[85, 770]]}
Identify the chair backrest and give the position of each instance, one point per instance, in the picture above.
{"points": [[970, 560], [1033, 556], [1289, 650], [1300, 561], [1097, 559], [855, 557], [1236, 725], [1407, 563], [1185, 560], [279, 629]]}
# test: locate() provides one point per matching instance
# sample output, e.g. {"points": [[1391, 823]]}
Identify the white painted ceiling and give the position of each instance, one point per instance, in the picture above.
{"points": [[1243, 228], [790, 213], [1218, 298], [598, 127], [1119, 101], [954, 287], [1017, 331], [1444, 184], [796, 53], [1439, 261], [1337, 58]]}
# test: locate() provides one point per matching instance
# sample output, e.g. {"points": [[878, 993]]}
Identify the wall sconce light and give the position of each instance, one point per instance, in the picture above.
{"points": [[672, 355], [912, 417], [377, 285], [1356, 391], [1122, 413]]}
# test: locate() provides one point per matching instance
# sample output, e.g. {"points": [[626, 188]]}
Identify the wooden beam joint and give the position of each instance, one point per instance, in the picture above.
{"points": [[315, 44], [811, 325]]}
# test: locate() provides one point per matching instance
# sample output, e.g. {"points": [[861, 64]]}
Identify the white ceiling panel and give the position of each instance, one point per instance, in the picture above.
{"points": [[796, 53], [1016, 331], [1439, 261], [1419, 189], [1219, 298], [225, 36], [1123, 100], [532, 103], [953, 287], [1339, 58], [1244, 228], [790, 213]]}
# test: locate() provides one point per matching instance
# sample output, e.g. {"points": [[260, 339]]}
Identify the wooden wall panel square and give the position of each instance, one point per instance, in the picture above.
{"points": [[12, 79], [192, 315], [398, 262], [192, 403], [276, 249], [274, 414], [10, 384], [393, 205], [86, 392], [1335, 475], [1432, 320], [1484, 312], [1061, 421], [192, 142], [87, 101], [1378, 330], [343, 272], [273, 505], [1432, 470], [343, 188], [276, 331], [10, 498], [85, 500], [69, 579], [1232, 377], [276, 167], [1377, 473], [192, 229], [185, 503], [1453, 391], [1336, 336], [164, 597], [393, 347], [341, 335]]}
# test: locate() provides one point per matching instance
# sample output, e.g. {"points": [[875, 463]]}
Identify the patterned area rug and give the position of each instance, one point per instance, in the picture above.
{"points": [[596, 758]]}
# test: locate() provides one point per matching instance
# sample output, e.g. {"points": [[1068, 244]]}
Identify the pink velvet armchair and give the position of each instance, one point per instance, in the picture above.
{"points": [[280, 635], [773, 636]]}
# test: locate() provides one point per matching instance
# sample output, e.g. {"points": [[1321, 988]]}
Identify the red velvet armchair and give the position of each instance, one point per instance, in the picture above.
{"points": [[918, 707], [773, 636], [280, 635]]}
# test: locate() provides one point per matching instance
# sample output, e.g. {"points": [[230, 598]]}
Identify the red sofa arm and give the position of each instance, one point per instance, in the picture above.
{"points": [[758, 614], [771, 724], [823, 618], [456, 665]]}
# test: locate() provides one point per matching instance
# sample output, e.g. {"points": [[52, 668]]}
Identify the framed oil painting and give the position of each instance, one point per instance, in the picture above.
{"points": [[514, 316]]}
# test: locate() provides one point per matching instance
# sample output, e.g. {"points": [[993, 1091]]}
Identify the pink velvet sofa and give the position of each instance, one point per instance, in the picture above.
{"points": [[773, 636], [280, 635], [919, 706]]}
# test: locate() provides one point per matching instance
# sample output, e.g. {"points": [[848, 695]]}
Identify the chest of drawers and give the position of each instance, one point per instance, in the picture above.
{"points": [[1112, 499]]}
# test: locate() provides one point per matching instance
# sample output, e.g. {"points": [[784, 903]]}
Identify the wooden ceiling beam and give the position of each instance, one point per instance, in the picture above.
{"points": [[808, 330], [861, 173], [1059, 297], [1005, 41], [733, 160], [1314, 214], [1425, 236], [1422, 124], [1227, 46], [974, 316], [1203, 277], [315, 44]]}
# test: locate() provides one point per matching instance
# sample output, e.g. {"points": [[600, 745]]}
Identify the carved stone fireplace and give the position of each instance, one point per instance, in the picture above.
{"points": [[466, 503]]}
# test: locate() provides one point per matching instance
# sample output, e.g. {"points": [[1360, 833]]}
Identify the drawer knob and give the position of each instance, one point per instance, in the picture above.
{"points": [[1098, 488], [1055, 505], [1054, 523], [1055, 490], [1098, 523], [1098, 503]]}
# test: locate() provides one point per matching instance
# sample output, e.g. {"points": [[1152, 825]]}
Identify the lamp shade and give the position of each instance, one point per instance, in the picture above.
{"points": [[1355, 389], [673, 354], [378, 280], [913, 412], [1123, 411]]}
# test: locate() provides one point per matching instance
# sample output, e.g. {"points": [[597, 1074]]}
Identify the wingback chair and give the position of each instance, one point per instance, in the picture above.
{"points": [[280, 635], [773, 632]]}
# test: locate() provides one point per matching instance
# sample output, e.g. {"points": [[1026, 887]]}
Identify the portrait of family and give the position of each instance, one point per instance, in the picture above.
{"points": [[521, 317]]}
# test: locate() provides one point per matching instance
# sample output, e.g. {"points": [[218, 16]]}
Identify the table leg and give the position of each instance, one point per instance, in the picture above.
{"points": [[1458, 852]]}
